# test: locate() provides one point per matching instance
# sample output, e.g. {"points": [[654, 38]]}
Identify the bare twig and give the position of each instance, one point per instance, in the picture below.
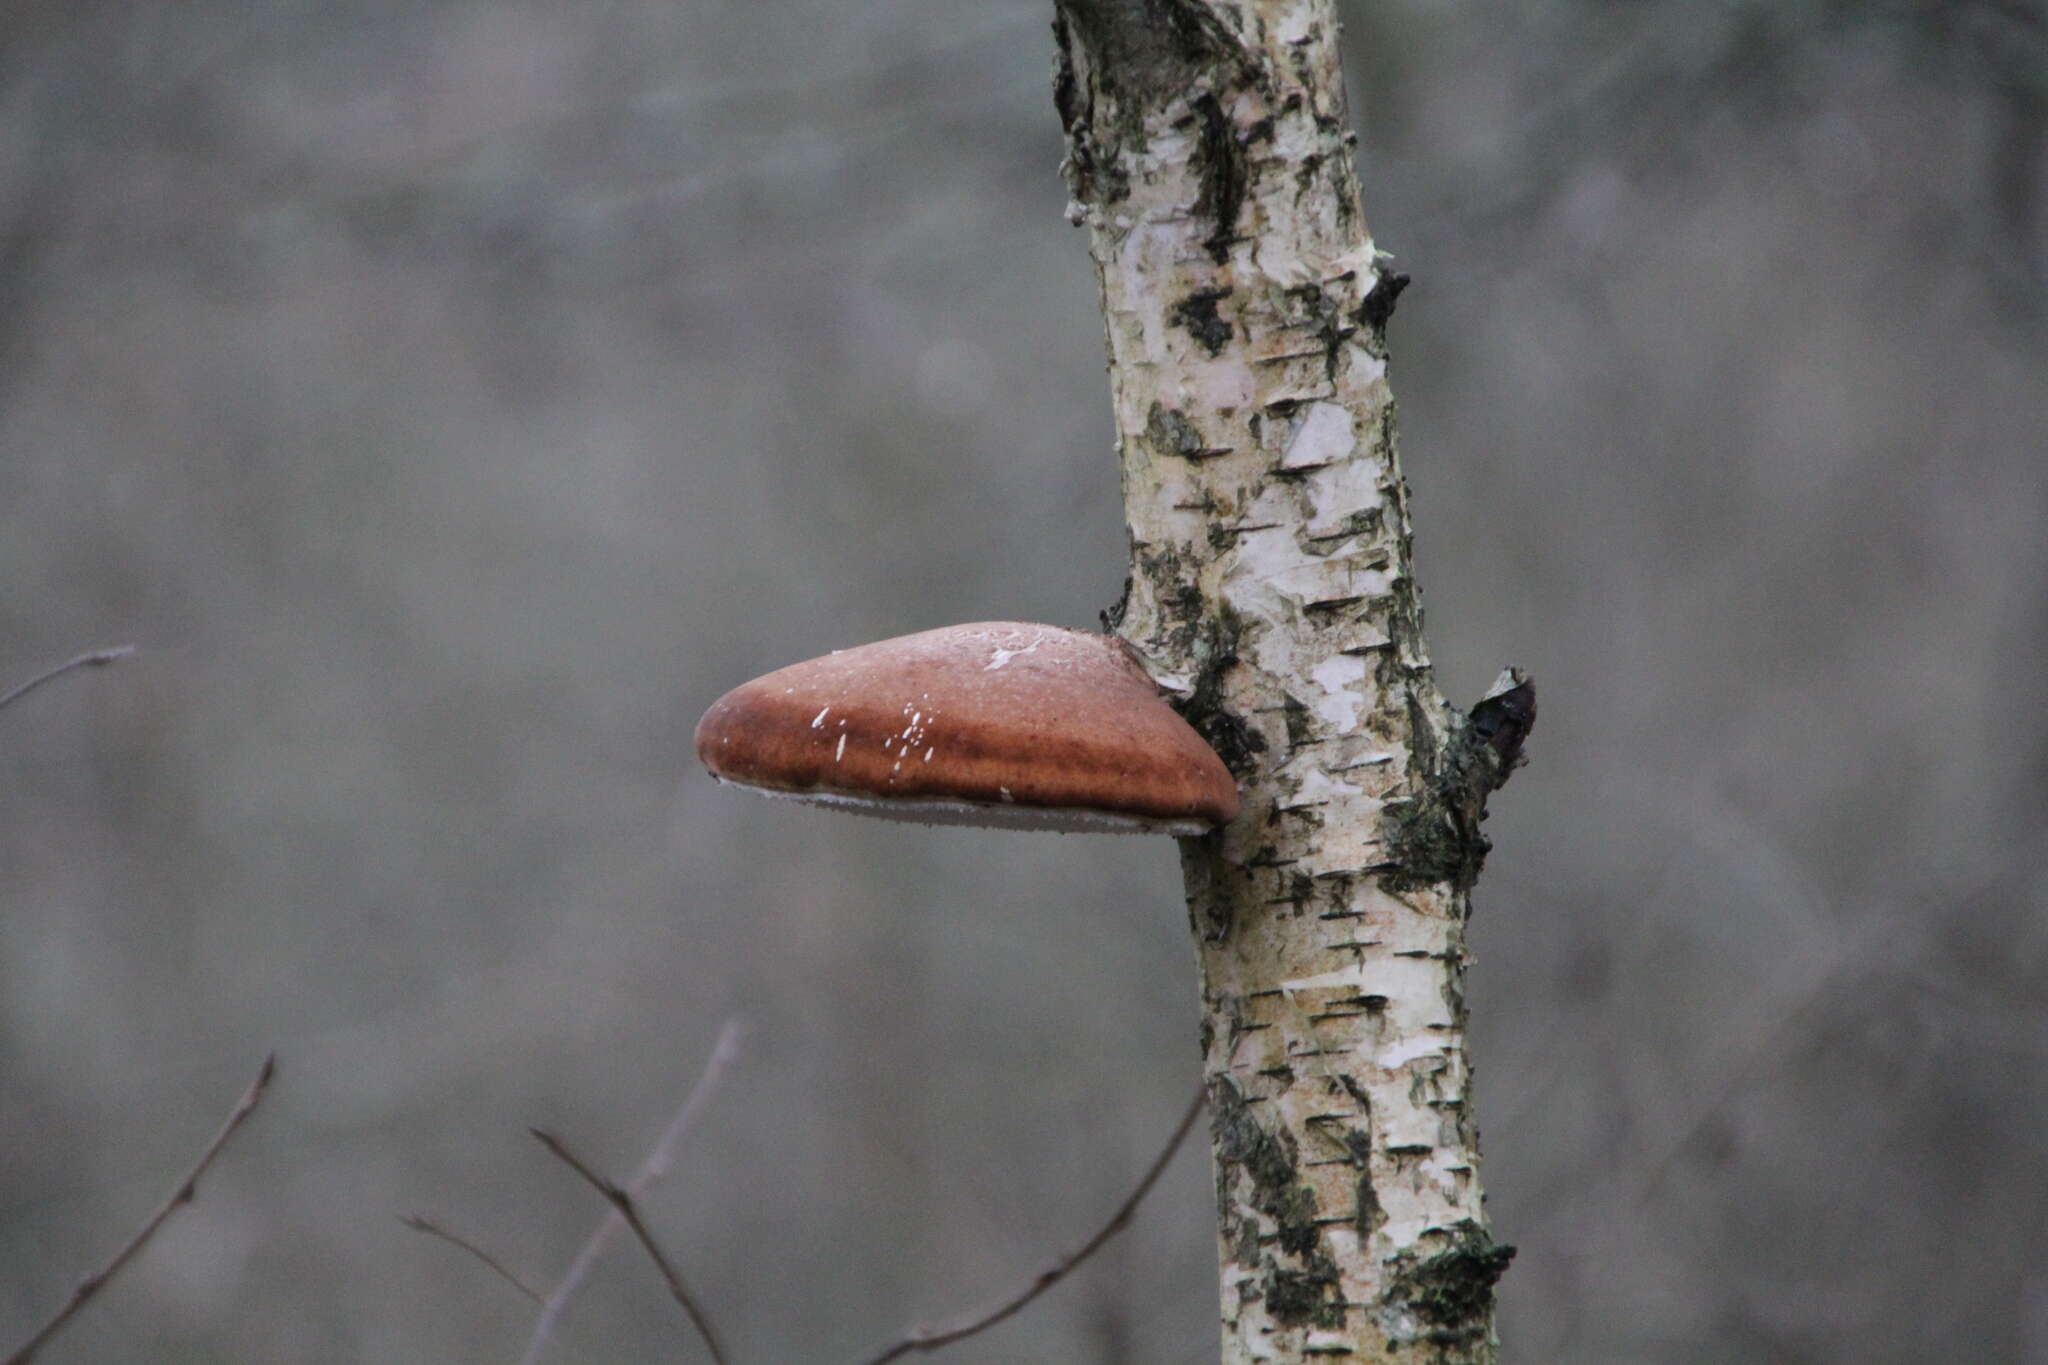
{"points": [[920, 1339], [623, 1202], [97, 658], [650, 1173], [181, 1196], [420, 1222]]}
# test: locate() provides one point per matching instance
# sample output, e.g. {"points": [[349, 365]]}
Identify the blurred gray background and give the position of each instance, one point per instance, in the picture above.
{"points": [[451, 399]]}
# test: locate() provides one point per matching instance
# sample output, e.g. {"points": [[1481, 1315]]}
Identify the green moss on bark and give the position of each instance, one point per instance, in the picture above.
{"points": [[1450, 1294]]}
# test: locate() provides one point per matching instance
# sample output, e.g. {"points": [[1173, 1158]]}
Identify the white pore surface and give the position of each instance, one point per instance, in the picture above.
{"points": [[992, 814]]}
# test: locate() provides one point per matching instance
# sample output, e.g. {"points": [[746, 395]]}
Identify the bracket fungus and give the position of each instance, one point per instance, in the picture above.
{"points": [[999, 723]]}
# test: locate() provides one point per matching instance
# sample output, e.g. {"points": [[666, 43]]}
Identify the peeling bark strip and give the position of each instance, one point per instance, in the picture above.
{"points": [[1209, 155]]}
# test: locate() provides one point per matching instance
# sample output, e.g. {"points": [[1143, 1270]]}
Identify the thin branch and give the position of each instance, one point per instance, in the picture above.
{"points": [[420, 1222], [628, 1210], [97, 658], [186, 1190], [650, 1174], [920, 1339]]}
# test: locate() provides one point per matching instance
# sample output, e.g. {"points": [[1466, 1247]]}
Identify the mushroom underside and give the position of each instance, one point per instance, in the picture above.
{"points": [[925, 810]]}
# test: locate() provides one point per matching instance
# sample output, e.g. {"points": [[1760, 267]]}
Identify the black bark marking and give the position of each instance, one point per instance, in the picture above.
{"points": [[1503, 721], [1213, 645], [1378, 306], [1066, 90], [1223, 177], [1133, 56], [1326, 319], [1154, 48], [1113, 616], [1197, 313], [1300, 722]]}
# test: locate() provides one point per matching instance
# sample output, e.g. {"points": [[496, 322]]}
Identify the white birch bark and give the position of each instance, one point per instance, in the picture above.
{"points": [[1210, 157]]}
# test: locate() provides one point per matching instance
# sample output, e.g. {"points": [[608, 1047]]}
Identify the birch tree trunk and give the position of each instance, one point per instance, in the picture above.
{"points": [[1210, 156]]}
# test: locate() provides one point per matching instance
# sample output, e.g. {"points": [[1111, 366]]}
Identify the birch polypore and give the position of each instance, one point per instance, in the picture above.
{"points": [[1000, 723], [1209, 156]]}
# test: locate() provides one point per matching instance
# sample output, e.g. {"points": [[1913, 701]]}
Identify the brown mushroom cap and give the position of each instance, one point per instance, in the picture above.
{"points": [[997, 723]]}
